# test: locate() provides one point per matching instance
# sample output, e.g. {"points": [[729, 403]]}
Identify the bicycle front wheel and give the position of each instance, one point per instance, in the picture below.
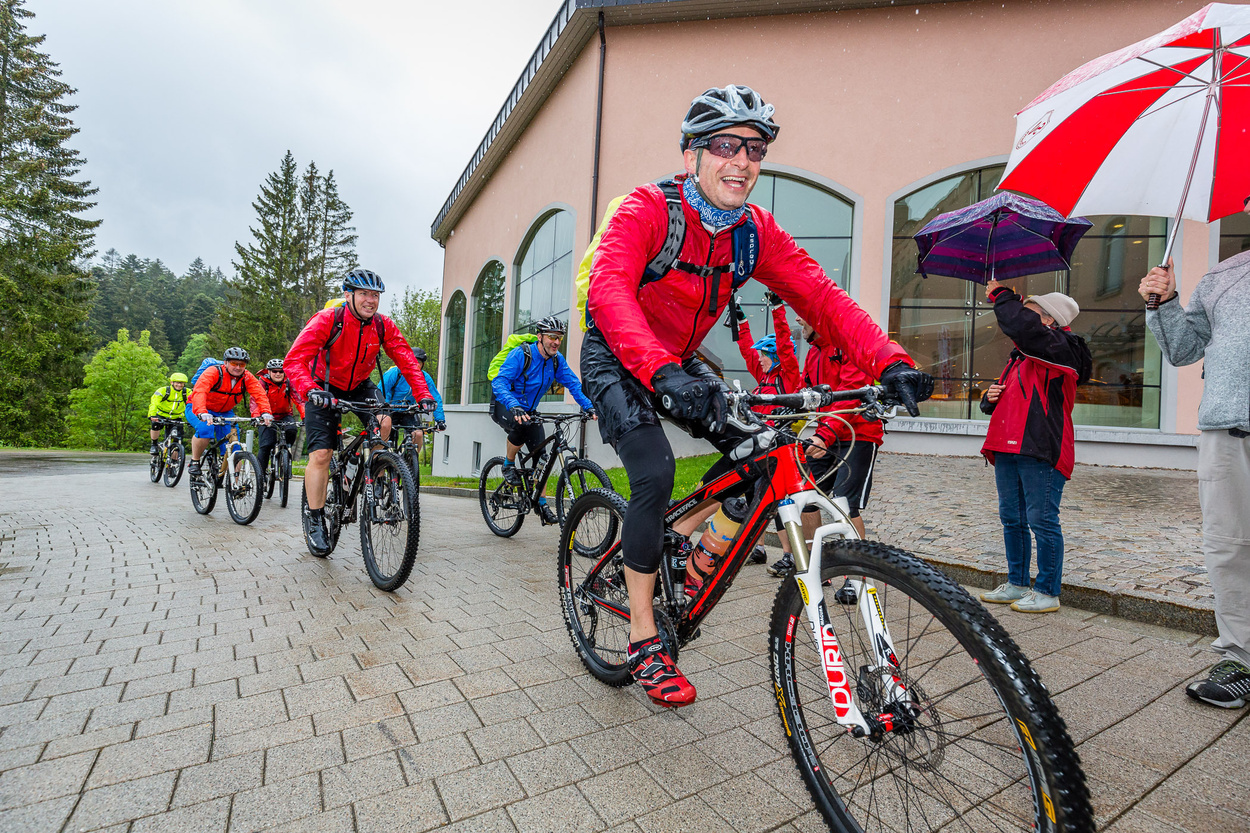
{"points": [[578, 478], [504, 506], [174, 467], [593, 596], [284, 476], [973, 742], [242, 486], [271, 474], [155, 466], [204, 489], [390, 523]]}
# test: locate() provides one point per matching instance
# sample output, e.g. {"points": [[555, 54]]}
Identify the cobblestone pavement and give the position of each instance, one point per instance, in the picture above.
{"points": [[165, 671]]}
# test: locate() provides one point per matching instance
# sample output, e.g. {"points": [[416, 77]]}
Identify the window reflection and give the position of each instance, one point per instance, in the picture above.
{"points": [[453, 362], [1234, 235], [487, 328], [951, 330], [545, 280]]}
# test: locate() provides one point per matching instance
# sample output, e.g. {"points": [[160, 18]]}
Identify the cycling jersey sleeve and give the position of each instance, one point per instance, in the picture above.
{"points": [[256, 391], [299, 359], [634, 234], [199, 396], [791, 376], [156, 398], [509, 373], [397, 348], [438, 399], [566, 377]]}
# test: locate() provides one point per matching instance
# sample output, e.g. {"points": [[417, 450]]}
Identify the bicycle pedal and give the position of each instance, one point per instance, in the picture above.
{"points": [[846, 595]]}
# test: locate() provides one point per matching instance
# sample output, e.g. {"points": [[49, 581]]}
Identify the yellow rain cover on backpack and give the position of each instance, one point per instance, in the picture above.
{"points": [[588, 260]]}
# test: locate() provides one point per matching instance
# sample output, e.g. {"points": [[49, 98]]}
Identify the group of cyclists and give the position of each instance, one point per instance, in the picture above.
{"points": [[665, 264]]}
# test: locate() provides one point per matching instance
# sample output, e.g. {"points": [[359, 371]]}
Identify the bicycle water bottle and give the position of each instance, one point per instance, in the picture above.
{"points": [[720, 531]]}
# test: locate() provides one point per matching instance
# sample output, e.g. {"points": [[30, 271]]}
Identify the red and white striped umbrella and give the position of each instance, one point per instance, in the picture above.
{"points": [[1159, 128]]}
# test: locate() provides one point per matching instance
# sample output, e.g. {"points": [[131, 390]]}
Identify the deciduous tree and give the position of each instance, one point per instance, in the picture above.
{"points": [[110, 410]]}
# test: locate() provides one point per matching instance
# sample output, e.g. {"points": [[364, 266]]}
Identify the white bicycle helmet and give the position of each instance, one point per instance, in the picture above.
{"points": [[716, 108]]}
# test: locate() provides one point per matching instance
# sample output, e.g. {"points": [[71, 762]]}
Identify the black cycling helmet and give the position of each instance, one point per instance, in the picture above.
{"points": [[419, 354], [236, 354], [550, 324], [716, 108], [363, 279], [273, 364]]}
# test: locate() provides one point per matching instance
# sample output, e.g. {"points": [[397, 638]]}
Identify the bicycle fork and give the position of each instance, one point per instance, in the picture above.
{"points": [[807, 569]]}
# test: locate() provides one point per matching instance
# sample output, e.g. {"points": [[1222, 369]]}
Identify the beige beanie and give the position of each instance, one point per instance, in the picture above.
{"points": [[1058, 306]]}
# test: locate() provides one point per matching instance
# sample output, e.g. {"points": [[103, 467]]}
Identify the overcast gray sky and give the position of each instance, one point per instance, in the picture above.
{"points": [[185, 106]]}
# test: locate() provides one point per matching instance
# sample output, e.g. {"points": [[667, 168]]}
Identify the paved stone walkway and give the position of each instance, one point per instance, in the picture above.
{"points": [[160, 670]]}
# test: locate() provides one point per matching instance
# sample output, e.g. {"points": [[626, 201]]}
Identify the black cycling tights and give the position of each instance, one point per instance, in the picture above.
{"points": [[648, 460]]}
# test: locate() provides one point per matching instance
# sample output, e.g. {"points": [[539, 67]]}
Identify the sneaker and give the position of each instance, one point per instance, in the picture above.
{"points": [[757, 556], [1227, 685], [1005, 594], [654, 670], [155, 449], [1035, 602], [547, 515], [193, 469], [782, 567], [315, 529]]}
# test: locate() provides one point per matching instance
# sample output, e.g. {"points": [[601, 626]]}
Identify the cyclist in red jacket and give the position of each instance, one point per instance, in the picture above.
{"points": [[331, 359], [638, 360], [284, 402], [216, 393]]}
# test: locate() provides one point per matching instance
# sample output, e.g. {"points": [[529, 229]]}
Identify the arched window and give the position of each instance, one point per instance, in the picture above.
{"points": [[820, 222], [487, 328], [453, 362], [948, 327], [544, 279]]}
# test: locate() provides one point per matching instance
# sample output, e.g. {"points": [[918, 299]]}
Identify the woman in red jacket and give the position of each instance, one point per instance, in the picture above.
{"points": [[1030, 440]]}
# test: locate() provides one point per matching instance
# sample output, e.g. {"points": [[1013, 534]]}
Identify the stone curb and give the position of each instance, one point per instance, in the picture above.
{"points": [[1094, 599]]}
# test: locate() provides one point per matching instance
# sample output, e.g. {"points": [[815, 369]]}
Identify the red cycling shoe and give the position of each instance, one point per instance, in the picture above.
{"points": [[655, 671]]}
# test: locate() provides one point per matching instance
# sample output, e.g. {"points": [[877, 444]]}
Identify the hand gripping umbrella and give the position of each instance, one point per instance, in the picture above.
{"points": [[1005, 236], [1159, 128]]}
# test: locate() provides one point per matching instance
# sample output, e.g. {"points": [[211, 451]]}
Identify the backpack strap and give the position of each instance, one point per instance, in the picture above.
{"points": [[676, 235]]}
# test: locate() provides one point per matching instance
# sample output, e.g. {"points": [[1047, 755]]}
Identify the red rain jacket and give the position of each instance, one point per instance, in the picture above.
{"points": [[351, 358], [664, 321], [218, 391], [784, 376], [282, 398], [825, 365]]}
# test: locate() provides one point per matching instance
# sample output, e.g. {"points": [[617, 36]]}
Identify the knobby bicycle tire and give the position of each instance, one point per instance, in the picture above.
{"points": [[979, 744], [156, 465], [175, 465], [390, 525], [578, 477], [271, 475], [504, 506], [204, 493], [284, 473], [599, 636], [244, 499]]}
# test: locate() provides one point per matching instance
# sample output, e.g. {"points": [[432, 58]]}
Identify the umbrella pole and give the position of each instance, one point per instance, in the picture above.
{"points": [[1152, 302]]}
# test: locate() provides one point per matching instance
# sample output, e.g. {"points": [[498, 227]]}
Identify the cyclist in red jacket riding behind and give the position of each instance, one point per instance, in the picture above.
{"points": [[638, 362], [216, 393], [331, 359]]}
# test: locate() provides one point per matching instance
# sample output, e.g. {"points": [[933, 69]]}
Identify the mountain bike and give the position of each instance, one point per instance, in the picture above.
{"points": [[229, 466], [278, 470], [404, 441], [370, 481], [170, 457], [906, 705], [506, 503]]}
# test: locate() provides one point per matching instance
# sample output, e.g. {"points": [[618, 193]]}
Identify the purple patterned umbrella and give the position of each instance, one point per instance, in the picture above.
{"points": [[1005, 236]]}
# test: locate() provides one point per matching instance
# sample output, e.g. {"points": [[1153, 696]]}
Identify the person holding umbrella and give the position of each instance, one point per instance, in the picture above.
{"points": [[1215, 328], [1030, 440]]}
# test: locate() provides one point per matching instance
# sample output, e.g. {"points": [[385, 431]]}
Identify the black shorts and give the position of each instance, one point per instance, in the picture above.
{"points": [[530, 435], [853, 480], [321, 425]]}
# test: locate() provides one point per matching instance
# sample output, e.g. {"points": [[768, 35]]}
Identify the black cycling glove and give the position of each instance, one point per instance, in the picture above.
{"points": [[440, 425], [426, 406], [320, 398], [908, 385], [588, 413], [691, 398], [773, 299], [517, 413]]}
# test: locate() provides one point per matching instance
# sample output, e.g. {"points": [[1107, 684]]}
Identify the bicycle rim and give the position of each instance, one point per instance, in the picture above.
{"points": [[579, 477], [175, 465], [271, 476], [155, 466], [979, 745], [242, 487], [390, 524], [592, 590], [204, 492], [503, 505]]}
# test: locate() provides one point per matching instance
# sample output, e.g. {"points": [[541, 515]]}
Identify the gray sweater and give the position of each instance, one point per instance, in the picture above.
{"points": [[1215, 327]]}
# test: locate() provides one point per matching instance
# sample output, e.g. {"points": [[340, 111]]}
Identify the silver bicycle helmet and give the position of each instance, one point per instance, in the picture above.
{"points": [[550, 324], [716, 108], [273, 364], [236, 354], [363, 279]]}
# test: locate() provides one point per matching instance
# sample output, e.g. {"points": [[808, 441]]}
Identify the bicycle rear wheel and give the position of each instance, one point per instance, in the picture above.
{"points": [[593, 597], [578, 477], [242, 487], [204, 490], [504, 506], [155, 466], [284, 476], [174, 467], [271, 474], [976, 742], [390, 524]]}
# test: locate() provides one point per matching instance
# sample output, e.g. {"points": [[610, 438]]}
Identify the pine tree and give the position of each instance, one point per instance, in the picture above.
{"points": [[43, 239]]}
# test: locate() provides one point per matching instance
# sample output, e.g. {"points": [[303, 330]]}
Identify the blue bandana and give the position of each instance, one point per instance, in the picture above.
{"points": [[708, 213]]}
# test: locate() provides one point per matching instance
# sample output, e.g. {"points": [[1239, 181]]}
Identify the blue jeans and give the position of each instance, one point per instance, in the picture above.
{"points": [[1029, 491]]}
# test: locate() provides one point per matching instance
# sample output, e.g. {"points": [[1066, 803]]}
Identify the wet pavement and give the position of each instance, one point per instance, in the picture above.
{"points": [[162, 670]]}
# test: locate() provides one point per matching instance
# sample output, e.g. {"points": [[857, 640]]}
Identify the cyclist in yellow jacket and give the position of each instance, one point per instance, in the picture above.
{"points": [[168, 402]]}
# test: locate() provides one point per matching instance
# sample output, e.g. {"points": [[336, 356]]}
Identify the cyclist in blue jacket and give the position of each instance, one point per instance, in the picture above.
{"points": [[527, 374], [396, 390]]}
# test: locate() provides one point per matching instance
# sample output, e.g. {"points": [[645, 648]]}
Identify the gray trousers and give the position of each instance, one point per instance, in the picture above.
{"points": [[1224, 493]]}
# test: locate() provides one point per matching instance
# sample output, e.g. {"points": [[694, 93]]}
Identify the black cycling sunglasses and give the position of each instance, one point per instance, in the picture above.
{"points": [[727, 145]]}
